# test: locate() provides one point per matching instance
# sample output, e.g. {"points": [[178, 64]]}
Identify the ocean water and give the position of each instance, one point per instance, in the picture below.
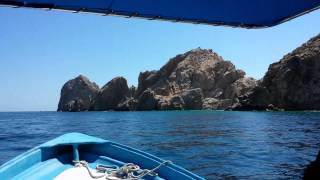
{"points": [[213, 144]]}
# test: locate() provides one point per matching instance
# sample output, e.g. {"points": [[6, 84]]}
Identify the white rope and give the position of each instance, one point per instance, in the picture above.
{"points": [[128, 171], [85, 164]]}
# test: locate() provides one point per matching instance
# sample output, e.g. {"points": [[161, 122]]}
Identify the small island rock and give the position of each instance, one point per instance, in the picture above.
{"points": [[77, 94]]}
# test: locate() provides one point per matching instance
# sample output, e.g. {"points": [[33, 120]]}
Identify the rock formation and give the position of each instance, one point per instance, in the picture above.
{"points": [[77, 94], [111, 94], [188, 79], [201, 79], [198, 79], [293, 83], [147, 101]]}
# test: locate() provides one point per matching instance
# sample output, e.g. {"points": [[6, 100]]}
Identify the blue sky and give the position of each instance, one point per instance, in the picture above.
{"points": [[41, 50]]}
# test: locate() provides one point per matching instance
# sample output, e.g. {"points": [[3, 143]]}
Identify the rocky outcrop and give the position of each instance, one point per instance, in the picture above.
{"points": [[189, 78], [77, 94], [111, 94], [192, 99], [194, 80], [256, 99], [201, 79], [128, 103], [147, 101], [293, 83], [80, 94]]}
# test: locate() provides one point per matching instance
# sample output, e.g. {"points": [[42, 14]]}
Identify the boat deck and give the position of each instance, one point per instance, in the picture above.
{"points": [[57, 168]]}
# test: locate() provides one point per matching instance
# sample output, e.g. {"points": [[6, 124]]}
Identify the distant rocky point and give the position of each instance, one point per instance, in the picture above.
{"points": [[201, 79], [198, 79], [293, 83]]}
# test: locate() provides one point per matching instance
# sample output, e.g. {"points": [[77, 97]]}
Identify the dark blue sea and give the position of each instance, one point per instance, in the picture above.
{"points": [[213, 144]]}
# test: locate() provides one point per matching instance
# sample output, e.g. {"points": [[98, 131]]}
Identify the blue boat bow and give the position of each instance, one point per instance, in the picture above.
{"points": [[51, 159]]}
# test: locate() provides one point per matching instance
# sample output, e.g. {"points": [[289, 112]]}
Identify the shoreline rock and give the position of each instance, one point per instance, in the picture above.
{"points": [[293, 83], [201, 79], [197, 79], [111, 94], [77, 94]]}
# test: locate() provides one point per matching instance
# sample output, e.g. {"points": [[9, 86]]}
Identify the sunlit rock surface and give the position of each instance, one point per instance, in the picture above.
{"points": [[197, 79], [293, 83], [78, 94]]}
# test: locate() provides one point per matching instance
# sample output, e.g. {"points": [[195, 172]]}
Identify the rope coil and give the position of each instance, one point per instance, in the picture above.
{"points": [[128, 171]]}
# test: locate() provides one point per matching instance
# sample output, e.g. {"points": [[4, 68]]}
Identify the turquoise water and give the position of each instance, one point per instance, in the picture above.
{"points": [[213, 144]]}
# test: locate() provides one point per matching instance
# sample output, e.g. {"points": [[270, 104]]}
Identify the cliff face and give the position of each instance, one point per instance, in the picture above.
{"points": [[80, 94], [293, 83], [111, 94], [201, 79], [194, 80], [198, 79], [77, 94]]}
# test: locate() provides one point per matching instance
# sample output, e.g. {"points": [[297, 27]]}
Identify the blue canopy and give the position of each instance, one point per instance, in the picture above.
{"points": [[237, 13]]}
